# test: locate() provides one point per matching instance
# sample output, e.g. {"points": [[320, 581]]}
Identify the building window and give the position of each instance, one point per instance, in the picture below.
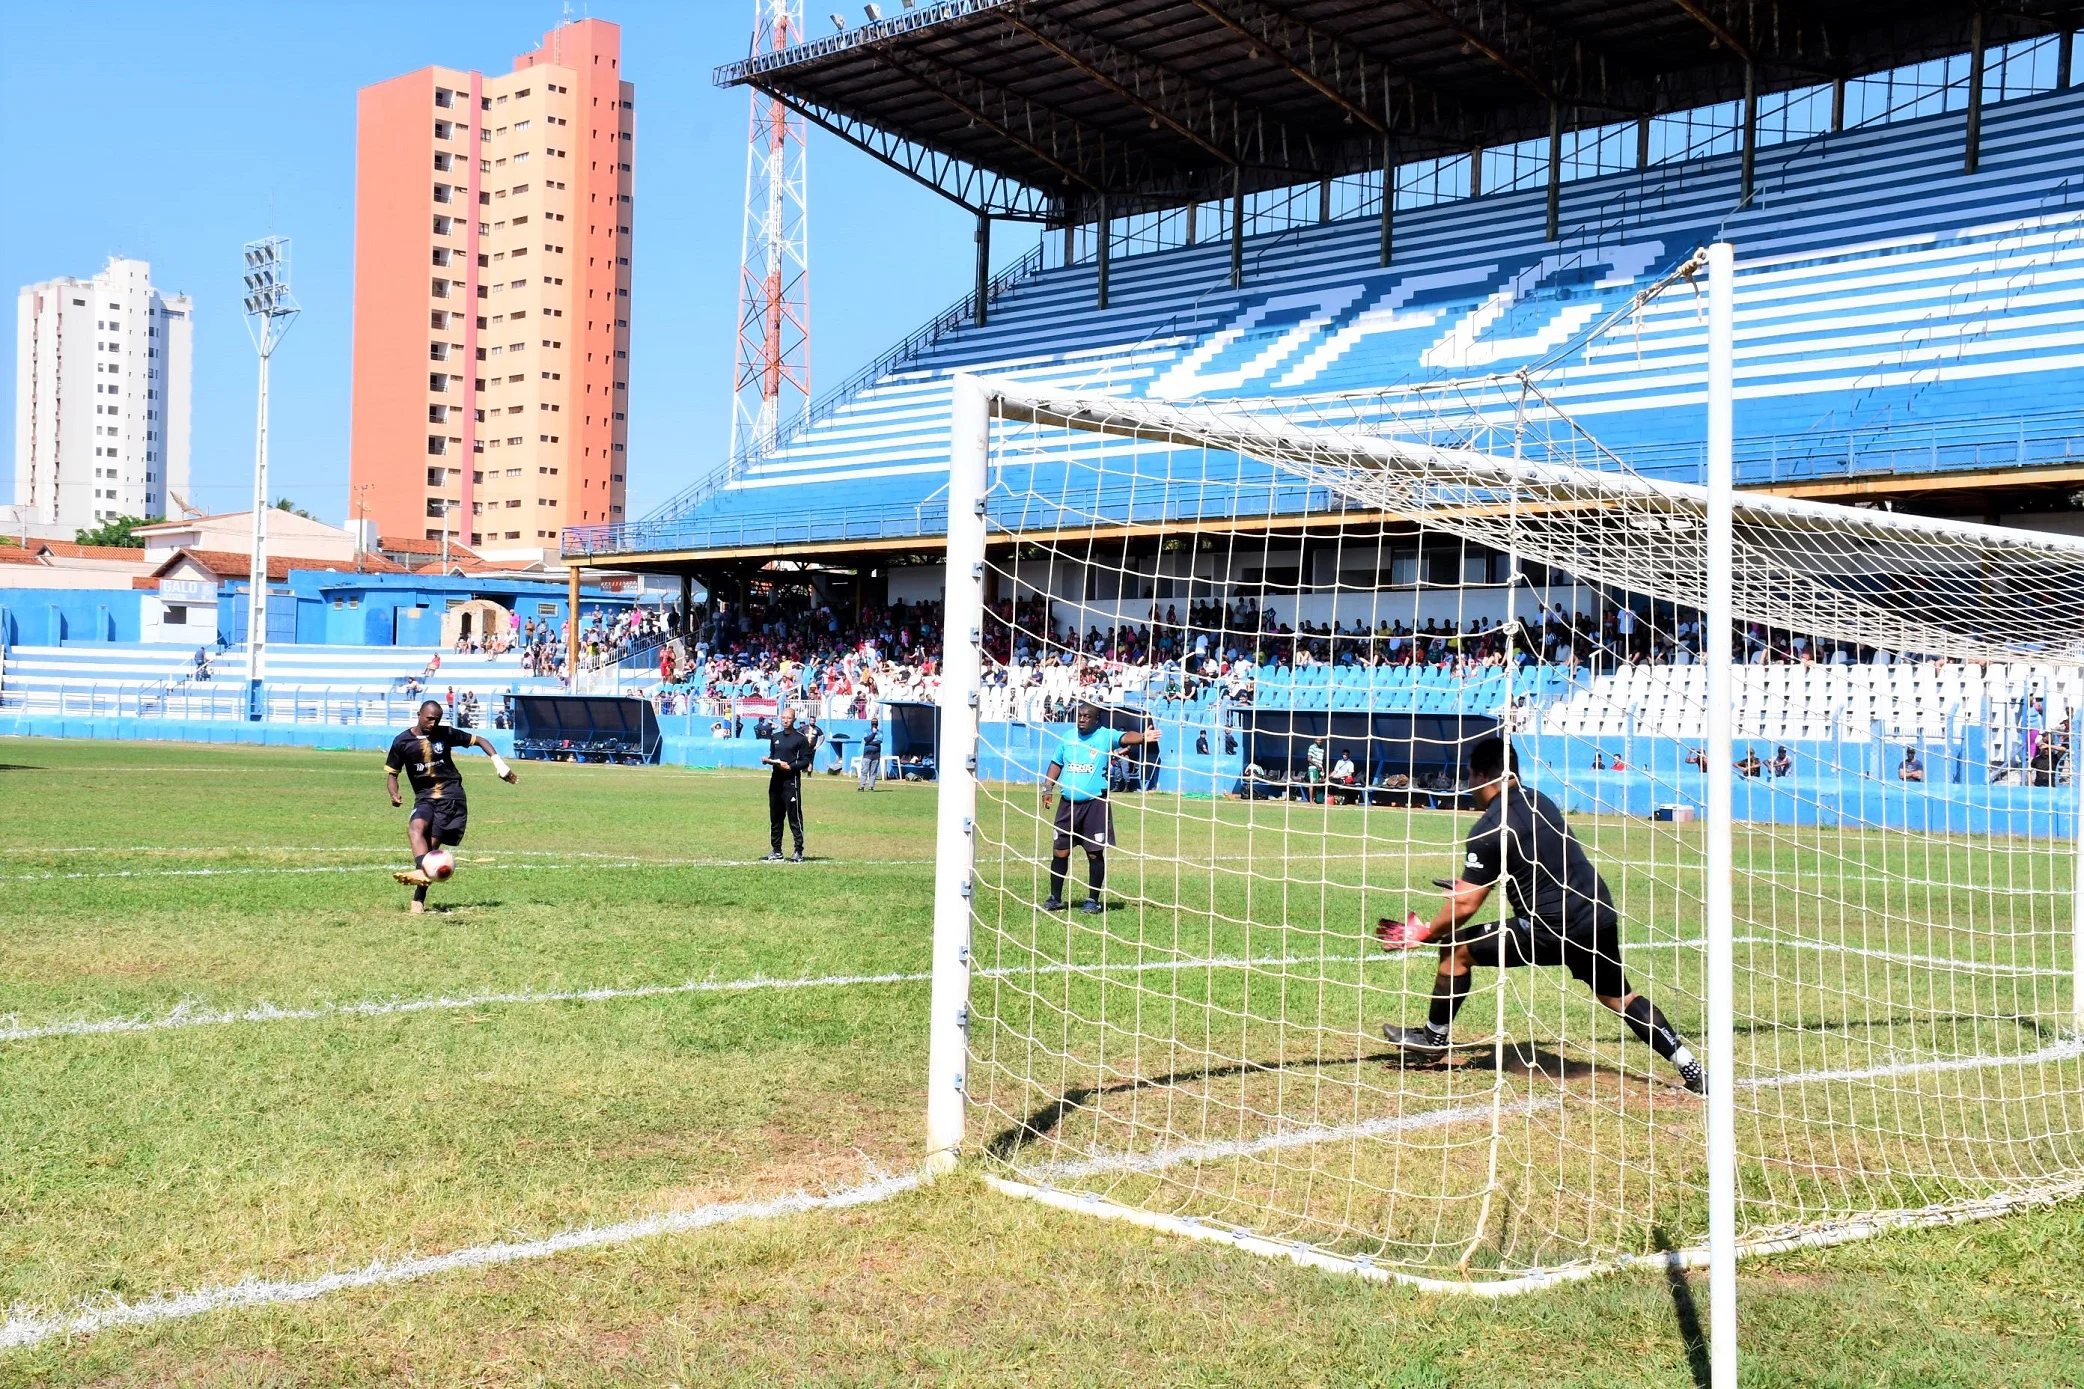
{"points": [[442, 192], [437, 381], [437, 414], [444, 97], [443, 161], [441, 289], [437, 443], [436, 507], [441, 255], [436, 477]]}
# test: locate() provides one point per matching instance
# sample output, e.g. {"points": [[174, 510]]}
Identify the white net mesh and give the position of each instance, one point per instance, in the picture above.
{"points": [[1322, 607]]}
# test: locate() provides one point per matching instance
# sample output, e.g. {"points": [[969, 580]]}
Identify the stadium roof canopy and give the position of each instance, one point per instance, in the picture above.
{"points": [[1038, 109]]}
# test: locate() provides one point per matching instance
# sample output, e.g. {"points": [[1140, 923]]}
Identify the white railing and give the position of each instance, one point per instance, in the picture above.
{"points": [[226, 700]]}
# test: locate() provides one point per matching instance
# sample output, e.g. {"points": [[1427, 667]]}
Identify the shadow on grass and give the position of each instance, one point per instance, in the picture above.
{"points": [[1684, 1311], [1534, 1062]]}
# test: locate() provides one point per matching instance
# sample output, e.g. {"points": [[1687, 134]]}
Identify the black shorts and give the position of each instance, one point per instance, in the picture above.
{"points": [[1593, 957], [1086, 823], [446, 819]]}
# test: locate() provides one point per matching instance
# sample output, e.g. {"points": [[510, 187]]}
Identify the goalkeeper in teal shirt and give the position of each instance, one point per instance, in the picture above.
{"points": [[1083, 817]]}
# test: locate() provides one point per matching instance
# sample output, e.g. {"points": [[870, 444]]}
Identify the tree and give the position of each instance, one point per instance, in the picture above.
{"points": [[284, 504], [120, 531]]}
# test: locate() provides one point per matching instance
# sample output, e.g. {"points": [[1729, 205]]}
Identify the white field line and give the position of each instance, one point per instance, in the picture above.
{"points": [[187, 1015], [27, 1328], [1285, 1138], [484, 865], [1065, 1169], [184, 1016]]}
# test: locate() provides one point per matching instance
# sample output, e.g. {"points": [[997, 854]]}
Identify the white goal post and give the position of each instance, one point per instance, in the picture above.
{"points": [[1820, 755]]}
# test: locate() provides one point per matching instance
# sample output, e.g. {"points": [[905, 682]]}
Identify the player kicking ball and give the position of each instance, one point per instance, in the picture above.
{"points": [[1561, 914], [426, 754], [1084, 817]]}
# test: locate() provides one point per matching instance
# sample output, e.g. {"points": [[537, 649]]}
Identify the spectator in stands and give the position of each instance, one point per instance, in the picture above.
{"points": [[1598, 761], [202, 663], [1749, 764], [2033, 720], [1201, 743], [1314, 773], [1697, 757], [1343, 775], [1783, 763], [1913, 768]]}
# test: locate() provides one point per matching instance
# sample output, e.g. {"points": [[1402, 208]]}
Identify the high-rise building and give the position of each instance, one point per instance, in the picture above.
{"points": [[102, 372], [492, 297]]}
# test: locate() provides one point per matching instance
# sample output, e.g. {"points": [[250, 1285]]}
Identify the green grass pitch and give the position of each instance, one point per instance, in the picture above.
{"points": [[156, 882]]}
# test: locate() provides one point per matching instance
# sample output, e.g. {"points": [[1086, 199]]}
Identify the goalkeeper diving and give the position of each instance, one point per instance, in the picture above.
{"points": [[1560, 913]]}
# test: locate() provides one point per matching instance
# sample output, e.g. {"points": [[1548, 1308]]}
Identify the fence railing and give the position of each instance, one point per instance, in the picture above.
{"points": [[212, 700]]}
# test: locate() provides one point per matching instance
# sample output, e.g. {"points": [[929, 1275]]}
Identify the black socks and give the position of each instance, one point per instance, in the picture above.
{"points": [[1095, 875], [1647, 1021], [1449, 992], [1056, 878]]}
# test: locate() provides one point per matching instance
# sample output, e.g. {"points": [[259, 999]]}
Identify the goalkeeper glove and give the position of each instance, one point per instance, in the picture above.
{"points": [[1408, 934]]}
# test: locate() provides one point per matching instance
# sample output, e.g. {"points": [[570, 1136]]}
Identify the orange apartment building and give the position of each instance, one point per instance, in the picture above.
{"points": [[492, 282]]}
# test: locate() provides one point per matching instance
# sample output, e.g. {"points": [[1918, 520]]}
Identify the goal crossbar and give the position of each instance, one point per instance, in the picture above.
{"points": [[1885, 578]]}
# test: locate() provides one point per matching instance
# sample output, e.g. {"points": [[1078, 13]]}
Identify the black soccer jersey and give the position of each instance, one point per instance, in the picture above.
{"points": [[428, 762], [1549, 878]]}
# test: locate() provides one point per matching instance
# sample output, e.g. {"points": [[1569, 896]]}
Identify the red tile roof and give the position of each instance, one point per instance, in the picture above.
{"points": [[230, 564], [11, 553], [420, 545], [66, 549]]}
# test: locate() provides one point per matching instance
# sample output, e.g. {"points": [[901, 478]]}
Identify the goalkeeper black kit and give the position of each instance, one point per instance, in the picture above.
{"points": [[785, 786]]}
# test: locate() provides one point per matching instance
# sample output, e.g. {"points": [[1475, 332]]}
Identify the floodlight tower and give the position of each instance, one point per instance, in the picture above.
{"points": [[772, 381], [270, 310]]}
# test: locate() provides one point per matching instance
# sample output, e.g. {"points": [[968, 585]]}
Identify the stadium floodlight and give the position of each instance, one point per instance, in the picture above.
{"points": [[270, 311], [873, 12], [1869, 914], [839, 21]]}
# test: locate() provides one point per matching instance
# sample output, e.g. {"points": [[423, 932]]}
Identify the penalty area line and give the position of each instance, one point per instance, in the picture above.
{"points": [[24, 1328], [184, 1015]]}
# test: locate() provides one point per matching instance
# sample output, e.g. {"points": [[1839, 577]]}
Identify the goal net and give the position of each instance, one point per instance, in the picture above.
{"points": [[1323, 609]]}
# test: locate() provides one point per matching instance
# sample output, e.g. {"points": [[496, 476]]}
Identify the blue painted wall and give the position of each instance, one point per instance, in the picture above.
{"points": [[49, 616]]}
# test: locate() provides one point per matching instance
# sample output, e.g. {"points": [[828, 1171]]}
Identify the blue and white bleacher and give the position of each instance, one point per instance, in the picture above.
{"points": [[1893, 314]]}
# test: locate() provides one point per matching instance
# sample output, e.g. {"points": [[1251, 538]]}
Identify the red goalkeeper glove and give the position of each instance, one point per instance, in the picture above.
{"points": [[1408, 934]]}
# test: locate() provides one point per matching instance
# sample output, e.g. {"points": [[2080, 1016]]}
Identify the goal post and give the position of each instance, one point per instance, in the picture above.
{"points": [[955, 757], [1721, 877], [1821, 758]]}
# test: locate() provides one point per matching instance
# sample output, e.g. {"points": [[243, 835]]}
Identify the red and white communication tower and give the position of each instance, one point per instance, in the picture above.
{"points": [[773, 377]]}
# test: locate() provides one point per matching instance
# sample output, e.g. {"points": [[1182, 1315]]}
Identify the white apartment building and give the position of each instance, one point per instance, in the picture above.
{"points": [[102, 373]]}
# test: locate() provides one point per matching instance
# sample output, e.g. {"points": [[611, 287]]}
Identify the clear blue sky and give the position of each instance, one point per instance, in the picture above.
{"points": [[175, 133]]}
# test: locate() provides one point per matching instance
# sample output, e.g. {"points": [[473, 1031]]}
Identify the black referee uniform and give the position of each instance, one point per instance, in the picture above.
{"points": [[793, 751]]}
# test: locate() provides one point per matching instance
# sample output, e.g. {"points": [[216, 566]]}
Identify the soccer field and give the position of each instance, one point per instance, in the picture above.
{"points": [[230, 1054]]}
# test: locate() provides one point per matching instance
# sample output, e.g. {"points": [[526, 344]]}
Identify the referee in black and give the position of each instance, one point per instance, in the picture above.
{"points": [[1560, 914], [789, 754]]}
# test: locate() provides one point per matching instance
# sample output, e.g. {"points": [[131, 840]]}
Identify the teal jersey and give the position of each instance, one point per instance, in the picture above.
{"points": [[1083, 757]]}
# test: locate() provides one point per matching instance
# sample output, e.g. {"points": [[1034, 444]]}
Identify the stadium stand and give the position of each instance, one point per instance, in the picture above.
{"points": [[306, 683], [1898, 316]]}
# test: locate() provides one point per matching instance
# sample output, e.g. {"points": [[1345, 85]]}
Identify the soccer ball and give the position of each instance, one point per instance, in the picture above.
{"points": [[438, 864]]}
